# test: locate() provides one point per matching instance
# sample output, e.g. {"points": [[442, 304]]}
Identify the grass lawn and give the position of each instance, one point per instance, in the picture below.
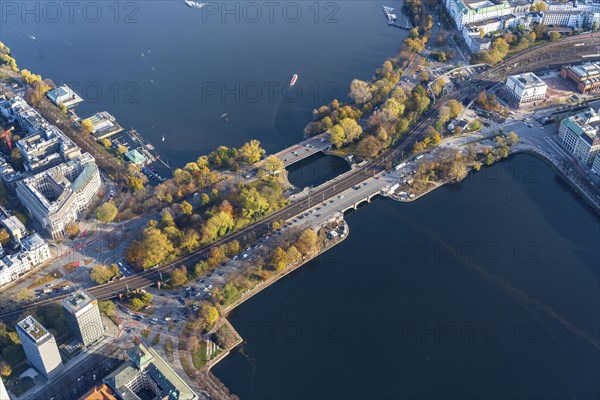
{"points": [[199, 356]]}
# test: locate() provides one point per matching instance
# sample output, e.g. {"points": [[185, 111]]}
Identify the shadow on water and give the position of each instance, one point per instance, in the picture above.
{"points": [[315, 170]]}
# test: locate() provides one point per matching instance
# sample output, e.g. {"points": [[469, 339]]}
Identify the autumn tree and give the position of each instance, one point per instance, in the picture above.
{"points": [[456, 108], [360, 91], [279, 259], [106, 212], [4, 236], [209, 316], [186, 208], [307, 241], [251, 152], [5, 369], [87, 125]]}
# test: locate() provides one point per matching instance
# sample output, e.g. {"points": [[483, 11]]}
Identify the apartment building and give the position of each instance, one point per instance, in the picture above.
{"points": [[59, 195], [580, 134]]}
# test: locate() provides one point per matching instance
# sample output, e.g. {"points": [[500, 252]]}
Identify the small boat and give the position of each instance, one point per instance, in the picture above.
{"points": [[163, 138], [294, 79], [224, 115], [32, 37], [194, 4]]}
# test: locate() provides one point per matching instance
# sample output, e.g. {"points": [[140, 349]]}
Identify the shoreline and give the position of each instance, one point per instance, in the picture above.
{"points": [[589, 201], [435, 185], [206, 370]]}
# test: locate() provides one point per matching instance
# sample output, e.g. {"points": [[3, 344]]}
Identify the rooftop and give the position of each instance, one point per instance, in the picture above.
{"points": [[32, 328], [527, 79], [135, 157], [78, 301], [102, 392], [586, 124], [141, 358]]}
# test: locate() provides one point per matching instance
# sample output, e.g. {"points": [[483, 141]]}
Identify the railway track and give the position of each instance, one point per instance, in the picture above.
{"points": [[533, 59]]}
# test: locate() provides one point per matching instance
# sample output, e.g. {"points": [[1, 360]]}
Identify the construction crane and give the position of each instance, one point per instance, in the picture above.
{"points": [[6, 134]]}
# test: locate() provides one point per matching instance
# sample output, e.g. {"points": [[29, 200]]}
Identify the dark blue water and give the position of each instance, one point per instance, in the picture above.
{"points": [[164, 68], [315, 170], [485, 289]]}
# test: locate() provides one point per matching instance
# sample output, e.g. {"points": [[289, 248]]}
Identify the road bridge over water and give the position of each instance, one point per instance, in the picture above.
{"points": [[537, 58]]}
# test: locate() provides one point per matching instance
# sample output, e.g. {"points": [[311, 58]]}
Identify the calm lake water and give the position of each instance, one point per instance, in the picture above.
{"points": [[487, 289], [165, 68]]}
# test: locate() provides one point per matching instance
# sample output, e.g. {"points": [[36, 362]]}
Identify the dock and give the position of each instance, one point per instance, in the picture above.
{"points": [[146, 149], [389, 13]]}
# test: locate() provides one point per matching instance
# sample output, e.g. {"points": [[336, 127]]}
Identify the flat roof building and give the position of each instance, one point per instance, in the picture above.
{"points": [[83, 317], [64, 95], [527, 87], [585, 76], [580, 134], [39, 346], [104, 125]]}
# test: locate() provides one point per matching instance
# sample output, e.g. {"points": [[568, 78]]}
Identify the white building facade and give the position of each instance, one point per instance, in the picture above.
{"points": [[527, 87], [580, 135], [60, 195]]}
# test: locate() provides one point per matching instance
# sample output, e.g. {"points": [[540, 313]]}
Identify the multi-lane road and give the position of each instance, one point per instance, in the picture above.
{"points": [[551, 55]]}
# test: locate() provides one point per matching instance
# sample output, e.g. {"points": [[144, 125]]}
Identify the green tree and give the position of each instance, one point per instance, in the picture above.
{"points": [[106, 142], [107, 307], [178, 277], [102, 273], [513, 138], [554, 35], [106, 212], [254, 204], [204, 199], [121, 150], [137, 304]]}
